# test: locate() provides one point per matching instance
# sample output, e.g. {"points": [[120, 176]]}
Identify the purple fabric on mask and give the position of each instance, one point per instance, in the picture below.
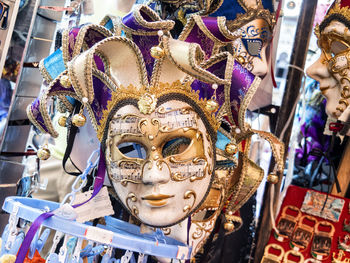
{"points": [[101, 98], [198, 36], [57, 88], [242, 79], [130, 21], [72, 39], [35, 109], [212, 24], [93, 36], [99, 63], [205, 90], [145, 43]]}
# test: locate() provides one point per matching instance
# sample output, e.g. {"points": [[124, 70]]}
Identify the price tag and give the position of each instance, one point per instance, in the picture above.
{"points": [[182, 252], [97, 207], [99, 235]]}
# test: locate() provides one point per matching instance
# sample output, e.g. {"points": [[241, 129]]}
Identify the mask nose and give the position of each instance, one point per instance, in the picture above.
{"points": [[155, 172], [318, 70]]}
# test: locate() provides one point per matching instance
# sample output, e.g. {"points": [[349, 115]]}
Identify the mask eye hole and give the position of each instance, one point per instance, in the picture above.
{"points": [[337, 47], [253, 46], [175, 146], [132, 150]]}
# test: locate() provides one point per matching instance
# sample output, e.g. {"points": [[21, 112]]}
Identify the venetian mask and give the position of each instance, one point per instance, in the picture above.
{"points": [[254, 21], [163, 111], [160, 164], [332, 68]]}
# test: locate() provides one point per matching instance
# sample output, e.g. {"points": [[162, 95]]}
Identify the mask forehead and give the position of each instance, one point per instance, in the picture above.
{"points": [[170, 175]]}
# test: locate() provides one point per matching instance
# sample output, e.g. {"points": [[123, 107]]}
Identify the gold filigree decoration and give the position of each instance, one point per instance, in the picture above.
{"points": [[166, 231], [188, 195], [250, 15], [132, 197], [338, 10], [131, 92], [202, 228]]}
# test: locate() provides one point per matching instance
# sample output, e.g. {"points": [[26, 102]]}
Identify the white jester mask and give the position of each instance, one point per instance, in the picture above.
{"points": [[160, 164], [332, 68]]}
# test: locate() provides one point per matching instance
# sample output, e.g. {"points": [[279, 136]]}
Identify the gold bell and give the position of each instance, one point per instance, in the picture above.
{"points": [[241, 60], [229, 226], [79, 120], [212, 106], [43, 153], [65, 81], [157, 52], [231, 148], [62, 121], [273, 178]]}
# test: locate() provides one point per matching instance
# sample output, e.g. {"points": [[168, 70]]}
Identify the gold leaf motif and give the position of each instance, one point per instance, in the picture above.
{"points": [[147, 103]]}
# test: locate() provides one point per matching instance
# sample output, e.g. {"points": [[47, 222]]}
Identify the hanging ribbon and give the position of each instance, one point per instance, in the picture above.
{"points": [[38, 222]]}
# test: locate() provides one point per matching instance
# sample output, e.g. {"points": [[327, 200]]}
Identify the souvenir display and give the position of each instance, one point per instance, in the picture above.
{"points": [[318, 204], [287, 222], [316, 236], [273, 257], [169, 134], [151, 115], [293, 256]]}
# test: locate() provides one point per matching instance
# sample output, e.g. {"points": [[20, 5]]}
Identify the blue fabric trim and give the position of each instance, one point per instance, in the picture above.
{"points": [[230, 9], [109, 25], [222, 140], [54, 64], [268, 4]]}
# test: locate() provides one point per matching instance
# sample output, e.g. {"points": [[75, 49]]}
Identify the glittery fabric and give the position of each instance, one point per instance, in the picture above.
{"points": [[57, 88], [35, 111], [242, 79], [345, 3], [144, 42], [205, 90], [230, 9], [198, 36], [72, 39], [102, 96]]}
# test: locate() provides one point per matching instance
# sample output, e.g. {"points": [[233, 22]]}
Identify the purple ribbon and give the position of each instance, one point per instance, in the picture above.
{"points": [[99, 179]]}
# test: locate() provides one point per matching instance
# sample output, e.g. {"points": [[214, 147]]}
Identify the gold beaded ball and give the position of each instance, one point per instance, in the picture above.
{"points": [[273, 178], [157, 52], [65, 81], [231, 149], [62, 121], [229, 226], [79, 120], [43, 154], [241, 60], [212, 106]]}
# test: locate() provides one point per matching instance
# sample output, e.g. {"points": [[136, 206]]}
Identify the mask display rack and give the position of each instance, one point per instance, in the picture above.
{"points": [[39, 39], [115, 234]]}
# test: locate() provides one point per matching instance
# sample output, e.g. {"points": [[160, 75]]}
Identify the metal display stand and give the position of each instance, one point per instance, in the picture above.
{"points": [[38, 45], [5, 35]]}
